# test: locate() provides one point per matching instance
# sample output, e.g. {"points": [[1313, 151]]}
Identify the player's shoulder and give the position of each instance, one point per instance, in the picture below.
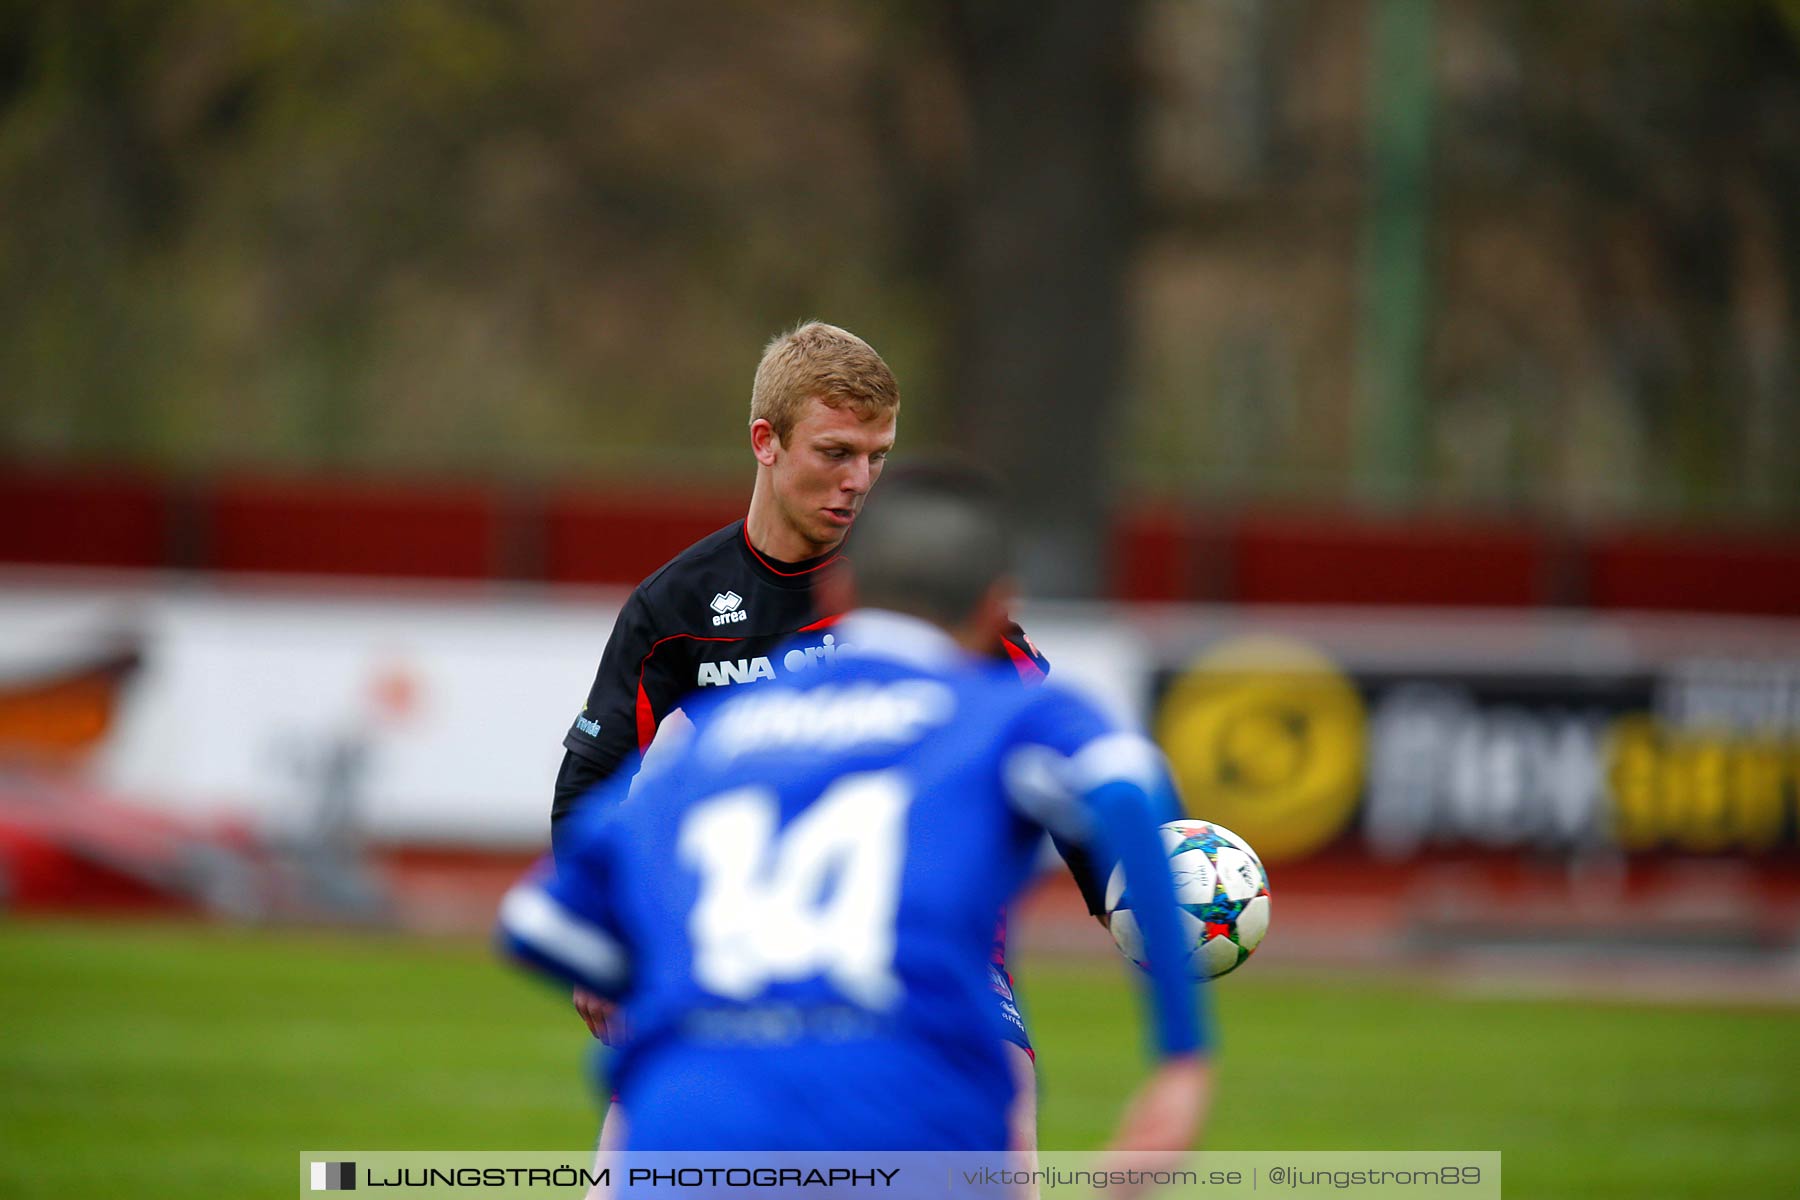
{"points": [[707, 580], [700, 558], [986, 695], [984, 688], [1058, 709]]}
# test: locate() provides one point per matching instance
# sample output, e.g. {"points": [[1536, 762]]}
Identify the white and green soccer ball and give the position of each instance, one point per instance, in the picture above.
{"points": [[1221, 888]]}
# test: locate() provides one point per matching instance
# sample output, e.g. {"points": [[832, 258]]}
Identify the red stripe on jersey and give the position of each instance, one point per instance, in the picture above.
{"points": [[646, 712], [786, 574], [821, 623], [646, 716]]}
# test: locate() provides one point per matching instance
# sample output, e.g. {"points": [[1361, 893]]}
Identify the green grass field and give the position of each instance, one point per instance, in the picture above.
{"points": [[179, 1061]]}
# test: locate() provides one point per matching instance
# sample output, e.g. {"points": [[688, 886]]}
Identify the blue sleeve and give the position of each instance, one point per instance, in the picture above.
{"points": [[559, 919], [1125, 820], [1088, 781], [597, 803]]}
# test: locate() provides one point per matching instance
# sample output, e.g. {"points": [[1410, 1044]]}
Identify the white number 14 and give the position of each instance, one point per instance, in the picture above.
{"points": [[817, 898]]}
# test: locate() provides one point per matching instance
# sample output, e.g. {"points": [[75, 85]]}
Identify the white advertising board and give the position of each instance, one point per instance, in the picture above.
{"points": [[438, 713]]}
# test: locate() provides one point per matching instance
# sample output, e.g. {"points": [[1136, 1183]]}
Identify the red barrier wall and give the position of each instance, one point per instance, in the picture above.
{"points": [[592, 538], [1161, 552], [1720, 573], [83, 518], [1340, 560], [344, 528]]}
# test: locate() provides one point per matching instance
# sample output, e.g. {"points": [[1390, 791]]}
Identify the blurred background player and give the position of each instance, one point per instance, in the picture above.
{"points": [[843, 838], [823, 413]]}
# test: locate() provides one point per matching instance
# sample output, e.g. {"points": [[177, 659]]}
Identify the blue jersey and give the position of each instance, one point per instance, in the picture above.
{"points": [[797, 906]]}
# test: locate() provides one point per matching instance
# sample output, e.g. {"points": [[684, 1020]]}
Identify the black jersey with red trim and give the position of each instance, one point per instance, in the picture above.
{"points": [[718, 614]]}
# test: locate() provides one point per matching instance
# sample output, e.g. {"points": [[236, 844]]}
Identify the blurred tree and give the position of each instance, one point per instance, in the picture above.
{"points": [[1649, 158], [538, 238], [1394, 300], [523, 237], [1037, 305], [1610, 265]]}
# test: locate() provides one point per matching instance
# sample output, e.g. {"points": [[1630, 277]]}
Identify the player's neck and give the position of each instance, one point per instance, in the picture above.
{"points": [[773, 537]]}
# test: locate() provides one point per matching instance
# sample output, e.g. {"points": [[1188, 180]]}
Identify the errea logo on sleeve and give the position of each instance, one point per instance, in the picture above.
{"points": [[727, 608]]}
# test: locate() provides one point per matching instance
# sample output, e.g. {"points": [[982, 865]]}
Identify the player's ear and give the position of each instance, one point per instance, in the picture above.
{"points": [[764, 441]]}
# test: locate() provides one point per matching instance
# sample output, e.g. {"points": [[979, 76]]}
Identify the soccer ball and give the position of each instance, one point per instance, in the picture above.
{"points": [[1221, 888]]}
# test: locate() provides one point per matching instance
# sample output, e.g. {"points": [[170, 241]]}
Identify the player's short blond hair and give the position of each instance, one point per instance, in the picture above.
{"points": [[822, 362]]}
